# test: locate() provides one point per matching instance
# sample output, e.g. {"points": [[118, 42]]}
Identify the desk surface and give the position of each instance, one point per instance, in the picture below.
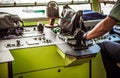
{"points": [[52, 39]]}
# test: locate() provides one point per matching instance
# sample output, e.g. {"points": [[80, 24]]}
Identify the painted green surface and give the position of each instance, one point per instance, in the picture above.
{"points": [[80, 71], [27, 23], [4, 70], [39, 11], [30, 23], [37, 58], [95, 5], [98, 70], [44, 62]]}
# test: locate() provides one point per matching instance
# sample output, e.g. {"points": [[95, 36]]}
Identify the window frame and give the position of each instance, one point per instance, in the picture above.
{"points": [[108, 1], [72, 2]]}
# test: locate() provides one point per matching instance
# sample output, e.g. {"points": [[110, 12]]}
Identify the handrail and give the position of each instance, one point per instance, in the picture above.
{"points": [[108, 2], [40, 4]]}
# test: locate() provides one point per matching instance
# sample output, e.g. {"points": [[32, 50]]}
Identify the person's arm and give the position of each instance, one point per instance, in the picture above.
{"points": [[101, 28]]}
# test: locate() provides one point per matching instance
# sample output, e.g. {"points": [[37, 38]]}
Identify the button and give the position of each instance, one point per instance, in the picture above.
{"points": [[114, 36], [109, 38], [18, 42], [8, 45]]}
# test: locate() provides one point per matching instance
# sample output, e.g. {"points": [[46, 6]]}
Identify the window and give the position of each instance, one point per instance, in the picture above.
{"points": [[30, 9], [106, 8], [106, 5]]}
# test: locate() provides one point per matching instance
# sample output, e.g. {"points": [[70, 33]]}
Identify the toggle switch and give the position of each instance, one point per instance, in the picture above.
{"points": [[18, 43]]}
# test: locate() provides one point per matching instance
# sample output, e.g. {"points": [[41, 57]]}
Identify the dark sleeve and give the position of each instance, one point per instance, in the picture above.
{"points": [[115, 12]]}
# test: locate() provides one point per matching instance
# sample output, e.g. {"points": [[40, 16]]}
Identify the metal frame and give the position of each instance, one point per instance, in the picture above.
{"points": [[40, 4]]}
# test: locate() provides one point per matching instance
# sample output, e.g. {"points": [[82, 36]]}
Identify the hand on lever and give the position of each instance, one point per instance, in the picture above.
{"points": [[79, 37]]}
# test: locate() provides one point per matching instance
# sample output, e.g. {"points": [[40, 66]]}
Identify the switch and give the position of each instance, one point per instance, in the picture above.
{"points": [[8, 45], [114, 36], [34, 29], [109, 38], [40, 27], [18, 42]]}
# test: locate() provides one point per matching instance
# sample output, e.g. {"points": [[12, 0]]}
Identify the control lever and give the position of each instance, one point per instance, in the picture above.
{"points": [[40, 27], [80, 42], [77, 44], [18, 43]]}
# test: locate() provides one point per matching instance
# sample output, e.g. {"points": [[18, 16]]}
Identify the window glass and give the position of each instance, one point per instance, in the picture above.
{"points": [[106, 8], [26, 12], [37, 11]]}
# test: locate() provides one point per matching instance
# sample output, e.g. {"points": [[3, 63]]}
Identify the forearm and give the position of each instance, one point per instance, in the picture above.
{"points": [[101, 28]]}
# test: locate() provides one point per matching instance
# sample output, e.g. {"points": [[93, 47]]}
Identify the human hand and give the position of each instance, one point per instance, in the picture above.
{"points": [[79, 36]]}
